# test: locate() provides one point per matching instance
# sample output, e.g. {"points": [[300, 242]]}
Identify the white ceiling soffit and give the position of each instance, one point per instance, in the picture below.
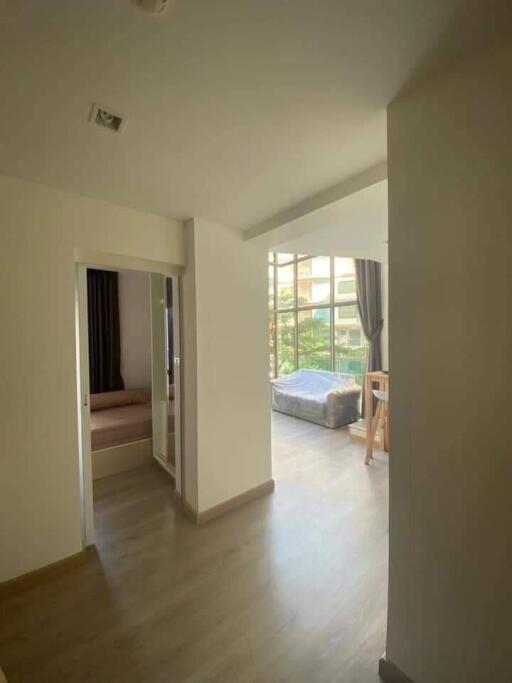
{"points": [[233, 110], [287, 220], [355, 226]]}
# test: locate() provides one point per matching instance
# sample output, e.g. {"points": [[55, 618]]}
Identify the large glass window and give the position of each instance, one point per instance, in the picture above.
{"points": [[344, 279], [285, 286], [272, 342], [314, 319], [285, 347], [271, 286], [350, 347], [314, 281], [347, 312], [314, 339]]}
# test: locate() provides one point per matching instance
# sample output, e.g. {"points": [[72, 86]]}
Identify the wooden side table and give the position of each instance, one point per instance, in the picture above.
{"points": [[381, 379]]}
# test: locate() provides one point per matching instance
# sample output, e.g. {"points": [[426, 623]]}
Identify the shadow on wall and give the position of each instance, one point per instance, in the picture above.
{"points": [[472, 25]]}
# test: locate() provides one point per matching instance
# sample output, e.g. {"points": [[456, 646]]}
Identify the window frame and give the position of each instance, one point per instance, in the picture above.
{"points": [[296, 308]]}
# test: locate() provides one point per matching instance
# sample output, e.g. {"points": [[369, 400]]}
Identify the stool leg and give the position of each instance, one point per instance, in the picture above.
{"points": [[373, 430], [369, 418], [386, 428]]}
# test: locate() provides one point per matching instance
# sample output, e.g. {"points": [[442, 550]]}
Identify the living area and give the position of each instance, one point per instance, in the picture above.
{"points": [[328, 339], [328, 310]]}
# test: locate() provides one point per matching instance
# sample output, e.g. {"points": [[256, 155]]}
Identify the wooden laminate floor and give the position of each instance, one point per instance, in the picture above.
{"points": [[292, 587]]}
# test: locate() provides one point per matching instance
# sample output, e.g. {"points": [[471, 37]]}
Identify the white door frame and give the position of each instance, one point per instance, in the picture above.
{"points": [[177, 370], [112, 262], [159, 368], [84, 421]]}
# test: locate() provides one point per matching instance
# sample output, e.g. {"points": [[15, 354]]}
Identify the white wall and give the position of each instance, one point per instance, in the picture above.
{"points": [[189, 388], [135, 325], [450, 204], [227, 293], [39, 474]]}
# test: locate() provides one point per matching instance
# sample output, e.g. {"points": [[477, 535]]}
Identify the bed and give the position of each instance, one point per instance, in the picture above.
{"points": [[122, 430], [330, 399]]}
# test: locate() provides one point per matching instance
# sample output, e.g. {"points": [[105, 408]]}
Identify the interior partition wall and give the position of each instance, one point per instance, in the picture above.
{"points": [[313, 317]]}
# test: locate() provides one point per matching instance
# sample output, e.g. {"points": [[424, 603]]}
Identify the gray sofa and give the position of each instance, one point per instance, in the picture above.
{"points": [[330, 399]]}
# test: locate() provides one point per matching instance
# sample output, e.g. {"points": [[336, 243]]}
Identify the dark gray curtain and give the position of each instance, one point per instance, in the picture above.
{"points": [[369, 303], [104, 332]]}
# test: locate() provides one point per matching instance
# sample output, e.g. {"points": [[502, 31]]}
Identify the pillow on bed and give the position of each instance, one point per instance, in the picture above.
{"points": [[115, 399]]}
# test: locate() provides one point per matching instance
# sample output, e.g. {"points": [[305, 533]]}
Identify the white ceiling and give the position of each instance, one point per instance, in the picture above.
{"points": [[236, 109], [355, 226]]}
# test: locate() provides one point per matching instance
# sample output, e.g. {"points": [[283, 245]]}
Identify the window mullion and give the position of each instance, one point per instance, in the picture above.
{"points": [[296, 312], [346, 309], [276, 357], [332, 311]]}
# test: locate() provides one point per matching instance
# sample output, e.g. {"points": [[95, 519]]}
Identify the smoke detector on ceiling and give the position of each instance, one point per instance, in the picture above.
{"points": [[154, 6], [106, 118]]}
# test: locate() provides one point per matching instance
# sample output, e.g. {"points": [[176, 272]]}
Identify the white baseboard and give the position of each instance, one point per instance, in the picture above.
{"points": [[228, 505]]}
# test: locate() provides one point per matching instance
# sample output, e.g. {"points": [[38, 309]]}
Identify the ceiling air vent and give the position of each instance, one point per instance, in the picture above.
{"points": [[106, 118]]}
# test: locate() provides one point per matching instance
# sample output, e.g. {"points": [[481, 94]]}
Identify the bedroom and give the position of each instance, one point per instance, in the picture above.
{"points": [[133, 375]]}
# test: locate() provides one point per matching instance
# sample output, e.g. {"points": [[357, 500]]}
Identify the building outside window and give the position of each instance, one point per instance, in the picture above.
{"points": [[313, 317]]}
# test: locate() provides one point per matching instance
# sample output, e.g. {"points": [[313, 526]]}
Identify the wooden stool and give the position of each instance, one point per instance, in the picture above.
{"points": [[381, 417]]}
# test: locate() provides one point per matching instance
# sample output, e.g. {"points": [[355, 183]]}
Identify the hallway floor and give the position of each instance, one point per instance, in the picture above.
{"points": [[291, 587]]}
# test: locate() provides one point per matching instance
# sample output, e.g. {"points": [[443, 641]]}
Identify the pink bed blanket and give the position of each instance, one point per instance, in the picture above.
{"points": [[119, 417]]}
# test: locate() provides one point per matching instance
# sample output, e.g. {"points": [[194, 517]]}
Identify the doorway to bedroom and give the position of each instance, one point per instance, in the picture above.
{"points": [[130, 378]]}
